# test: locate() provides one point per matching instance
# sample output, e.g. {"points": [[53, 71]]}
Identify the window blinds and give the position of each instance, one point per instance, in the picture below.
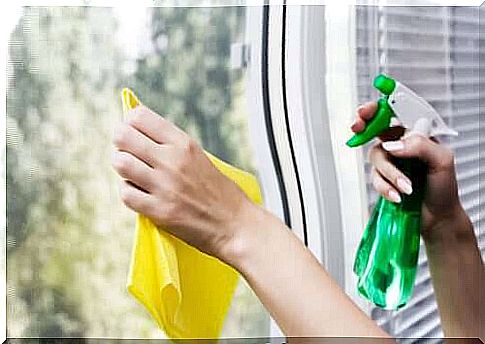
{"points": [[435, 51]]}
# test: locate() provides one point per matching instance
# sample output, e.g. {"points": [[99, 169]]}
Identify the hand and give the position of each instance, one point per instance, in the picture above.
{"points": [[441, 202], [168, 178]]}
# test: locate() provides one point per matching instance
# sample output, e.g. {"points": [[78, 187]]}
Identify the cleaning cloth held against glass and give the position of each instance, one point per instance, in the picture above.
{"points": [[187, 292]]}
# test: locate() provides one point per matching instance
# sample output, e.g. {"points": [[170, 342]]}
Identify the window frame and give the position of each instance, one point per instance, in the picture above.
{"points": [[305, 131]]}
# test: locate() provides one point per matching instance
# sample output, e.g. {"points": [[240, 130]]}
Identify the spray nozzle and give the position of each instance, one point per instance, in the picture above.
{"points": [[382, 119], [400, 102], [384, 84]]}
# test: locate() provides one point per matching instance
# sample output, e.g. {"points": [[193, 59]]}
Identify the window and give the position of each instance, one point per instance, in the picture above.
{"points": [[435, 51], [66, 274]]}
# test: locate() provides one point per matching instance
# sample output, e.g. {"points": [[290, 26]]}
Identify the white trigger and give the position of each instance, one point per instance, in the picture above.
{"points": [[421, 127], [410, 108]]}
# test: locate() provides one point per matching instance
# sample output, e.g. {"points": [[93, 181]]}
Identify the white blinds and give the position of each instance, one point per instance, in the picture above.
{"points": [[435, 51]]}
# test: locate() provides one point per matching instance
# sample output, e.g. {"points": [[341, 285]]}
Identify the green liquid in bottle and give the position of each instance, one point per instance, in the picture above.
{"points": [[387, 256]]}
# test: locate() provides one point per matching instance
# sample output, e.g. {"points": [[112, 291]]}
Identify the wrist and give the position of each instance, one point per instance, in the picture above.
{"points": [[454, 228], [251, 228]]}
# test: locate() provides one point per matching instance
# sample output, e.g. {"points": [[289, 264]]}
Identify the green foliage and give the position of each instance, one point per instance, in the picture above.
{"points": [[69, 236], [187, 77], [58, 141]]}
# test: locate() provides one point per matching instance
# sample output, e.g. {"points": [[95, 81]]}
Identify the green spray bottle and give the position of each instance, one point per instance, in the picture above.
{"points": [[387, 256]]}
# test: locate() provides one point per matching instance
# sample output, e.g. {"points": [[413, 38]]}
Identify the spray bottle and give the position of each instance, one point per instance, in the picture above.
{"points": [[387, 256]]}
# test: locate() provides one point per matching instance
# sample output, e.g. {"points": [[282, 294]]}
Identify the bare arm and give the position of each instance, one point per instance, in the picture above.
{"points": [[458, 276], [300, 295]]}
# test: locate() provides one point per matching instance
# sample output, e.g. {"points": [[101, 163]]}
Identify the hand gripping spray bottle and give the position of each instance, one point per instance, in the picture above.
{"points": [[387, 256]]}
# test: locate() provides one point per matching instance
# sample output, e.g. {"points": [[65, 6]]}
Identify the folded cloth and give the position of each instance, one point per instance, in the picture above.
{"points": [[187, 292]]}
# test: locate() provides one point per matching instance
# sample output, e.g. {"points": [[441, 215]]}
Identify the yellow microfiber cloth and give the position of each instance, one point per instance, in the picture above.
{"points": [[187, 292]]}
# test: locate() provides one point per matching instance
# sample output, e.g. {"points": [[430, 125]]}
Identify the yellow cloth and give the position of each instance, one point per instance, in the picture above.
{"points": [[187, 292]]}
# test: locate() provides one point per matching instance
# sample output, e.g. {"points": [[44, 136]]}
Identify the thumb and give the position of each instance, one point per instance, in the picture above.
{"points": [[418, 146]]}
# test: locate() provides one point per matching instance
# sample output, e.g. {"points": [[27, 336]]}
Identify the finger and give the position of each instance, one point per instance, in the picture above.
{"points": [[154, 126], [383, 187], [367, 111], [135, 199], [130, 140], [134, 170], [380, 160], [358, 125], [435, 155], [364, 113]]}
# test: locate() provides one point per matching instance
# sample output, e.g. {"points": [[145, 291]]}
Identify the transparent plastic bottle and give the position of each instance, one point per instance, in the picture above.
{"points": [[386, 260]]}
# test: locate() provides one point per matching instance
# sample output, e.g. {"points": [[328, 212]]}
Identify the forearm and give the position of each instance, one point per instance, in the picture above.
{"points": [[299, 294], [458, 275]]}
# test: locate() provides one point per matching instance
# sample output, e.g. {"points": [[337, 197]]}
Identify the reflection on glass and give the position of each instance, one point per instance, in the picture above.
{"points": [[69, 237]]}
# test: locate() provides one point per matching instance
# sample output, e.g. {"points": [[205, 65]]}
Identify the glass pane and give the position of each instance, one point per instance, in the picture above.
{"points": [[69, 236]]}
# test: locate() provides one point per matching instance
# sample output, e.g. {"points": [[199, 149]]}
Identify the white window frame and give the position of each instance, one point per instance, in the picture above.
{"points": [[341, 74], [333, 224]]}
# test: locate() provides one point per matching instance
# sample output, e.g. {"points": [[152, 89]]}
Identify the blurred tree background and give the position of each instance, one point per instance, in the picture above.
{"points": [[68, 235]]}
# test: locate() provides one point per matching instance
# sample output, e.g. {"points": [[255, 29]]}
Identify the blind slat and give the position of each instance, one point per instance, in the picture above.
{"points": [[430, 66], [421, 332], [419, 315], [434, 51]]}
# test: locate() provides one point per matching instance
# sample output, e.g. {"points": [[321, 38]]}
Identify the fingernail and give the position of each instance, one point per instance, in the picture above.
{"points": [[394, 196], [405, 186], [391, 146], [360, 109]]}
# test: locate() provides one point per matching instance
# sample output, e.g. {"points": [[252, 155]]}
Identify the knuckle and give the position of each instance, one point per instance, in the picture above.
{"points": [[392, 173], [175, 184], [179, 166], [374, 180], [396, 176], [137, 118], [146, 151], [187, 152], [373, 152], [381, 189], [157, 156], [373, 172], [160, 163], [378, 185], [161, 122], [170, 213], [121, 163], [121, 135], [151, 209], [126, 197], [190, 146]]}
